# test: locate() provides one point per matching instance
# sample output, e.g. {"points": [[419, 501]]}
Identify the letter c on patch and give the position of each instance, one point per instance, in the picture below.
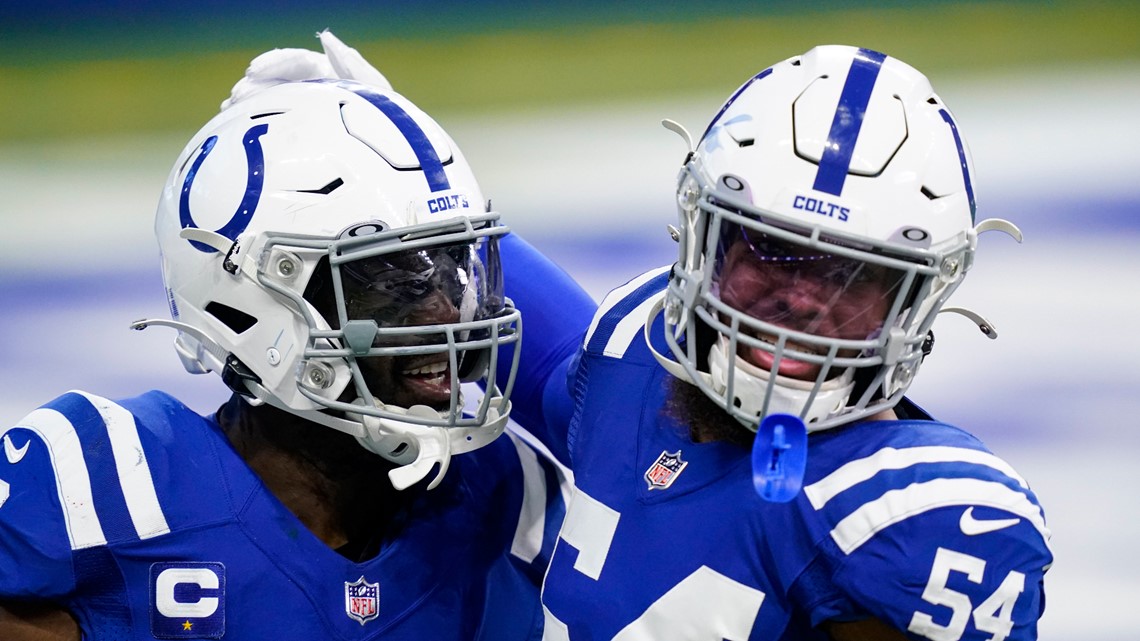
{"points": [[170, 578]]}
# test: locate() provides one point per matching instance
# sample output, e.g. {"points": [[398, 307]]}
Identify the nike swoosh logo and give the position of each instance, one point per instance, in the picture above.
{"points": [[14, 454], [972, 526]]}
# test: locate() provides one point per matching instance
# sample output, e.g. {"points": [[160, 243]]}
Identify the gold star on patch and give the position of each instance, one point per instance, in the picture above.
{"points": [[186, 625]]}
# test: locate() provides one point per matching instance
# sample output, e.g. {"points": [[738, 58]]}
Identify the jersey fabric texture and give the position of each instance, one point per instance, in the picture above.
{"points": [[914, 522], [139, 518]]}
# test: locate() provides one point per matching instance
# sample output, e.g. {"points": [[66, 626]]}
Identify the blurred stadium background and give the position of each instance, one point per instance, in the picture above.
{"points": [[557, 106]]}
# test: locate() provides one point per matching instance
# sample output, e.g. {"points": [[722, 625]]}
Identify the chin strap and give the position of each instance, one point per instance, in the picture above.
{"points": [[434, 444]]}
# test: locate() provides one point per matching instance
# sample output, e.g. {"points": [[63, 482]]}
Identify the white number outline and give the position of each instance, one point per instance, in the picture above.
{"points": [[994, 615], [703, 605]]}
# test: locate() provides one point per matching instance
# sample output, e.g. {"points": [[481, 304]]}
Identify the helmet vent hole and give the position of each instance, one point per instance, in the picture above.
{"points": [[748, 142], [266, 115], [235, 319], [929, 194], [932, 100], [326, 190]]}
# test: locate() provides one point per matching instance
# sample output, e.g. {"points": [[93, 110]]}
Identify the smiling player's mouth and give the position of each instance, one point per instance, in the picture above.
{"points": [[428, 380], [788, 366]]}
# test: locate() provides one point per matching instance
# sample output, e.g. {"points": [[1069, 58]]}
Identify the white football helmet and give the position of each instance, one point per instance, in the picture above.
{"points": [[826, 215], [327, 250]]}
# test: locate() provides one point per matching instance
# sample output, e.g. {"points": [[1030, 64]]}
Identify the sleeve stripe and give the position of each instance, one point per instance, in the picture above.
{"points": [[889, 458], [629, 327], [133, 471], [527, 543], [898, 505], [73, 482], [618, 295]]}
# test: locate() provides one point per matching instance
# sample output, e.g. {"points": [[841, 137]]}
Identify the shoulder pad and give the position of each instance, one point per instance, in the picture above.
{"points": [[903, 477], [100, 467], [623, 313]]}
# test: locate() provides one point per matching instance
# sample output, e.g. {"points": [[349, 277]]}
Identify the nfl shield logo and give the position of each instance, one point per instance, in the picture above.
{"points": [[664, 470], [362, 600]]}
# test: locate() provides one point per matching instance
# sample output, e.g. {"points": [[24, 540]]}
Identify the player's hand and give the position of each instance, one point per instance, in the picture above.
{"points": [[338, 62]]}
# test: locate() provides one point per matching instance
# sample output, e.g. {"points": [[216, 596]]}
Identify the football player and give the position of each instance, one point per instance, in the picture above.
{"points": [[826, 215], [327, 251]]}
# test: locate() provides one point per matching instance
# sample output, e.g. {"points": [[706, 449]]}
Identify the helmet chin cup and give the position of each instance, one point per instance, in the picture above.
{"points": [[751, 384], [379, 437], [432, 450], [417, 448]]}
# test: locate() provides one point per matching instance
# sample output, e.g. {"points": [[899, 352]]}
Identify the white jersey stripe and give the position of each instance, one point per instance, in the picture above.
{"points": [[134, 472], [532, 516], [630, 327], [565, 475], [73, 482], [619, 294], [889, 458], [898, 505]]}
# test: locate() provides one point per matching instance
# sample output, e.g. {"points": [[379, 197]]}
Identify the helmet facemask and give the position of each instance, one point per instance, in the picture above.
{"points": [[812, 310], [434, 314], [397, 322]]}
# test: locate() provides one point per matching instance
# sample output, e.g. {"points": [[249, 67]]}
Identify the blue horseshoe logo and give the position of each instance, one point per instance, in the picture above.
{"points": [[255, 161]]}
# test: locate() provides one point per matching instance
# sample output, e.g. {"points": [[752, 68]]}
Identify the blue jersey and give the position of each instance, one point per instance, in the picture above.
{"points": [[139, 518], [913, 522]]}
